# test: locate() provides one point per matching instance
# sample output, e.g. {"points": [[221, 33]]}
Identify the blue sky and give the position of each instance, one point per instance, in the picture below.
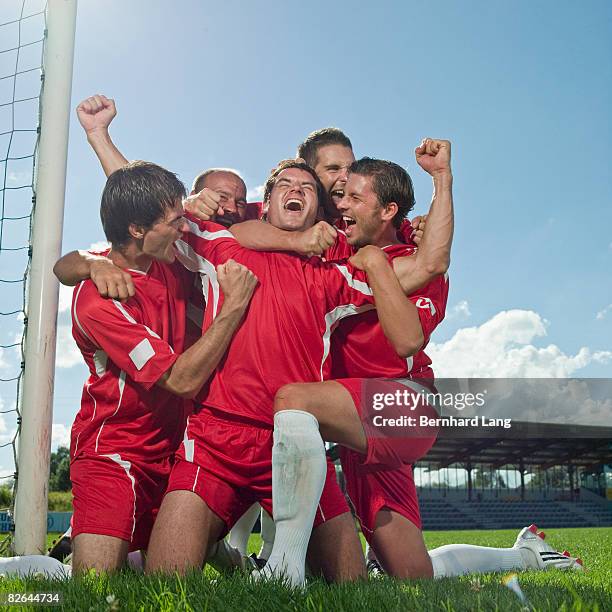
{"points": [[522, 89]]}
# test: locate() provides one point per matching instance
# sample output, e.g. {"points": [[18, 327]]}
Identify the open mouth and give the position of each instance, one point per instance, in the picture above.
{"points": [[294, 205], [348, 220], [337, 195]]}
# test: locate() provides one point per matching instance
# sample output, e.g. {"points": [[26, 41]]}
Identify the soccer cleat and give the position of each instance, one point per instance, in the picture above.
{"points": [[257, 562], [543, 556], [62, 547], [375, 569]]}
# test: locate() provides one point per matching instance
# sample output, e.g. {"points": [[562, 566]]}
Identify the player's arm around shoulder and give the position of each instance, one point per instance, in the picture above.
{"points": [[110, 280]]}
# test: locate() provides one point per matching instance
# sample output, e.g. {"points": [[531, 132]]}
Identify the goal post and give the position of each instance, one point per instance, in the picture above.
{"points": [[36, 405]]}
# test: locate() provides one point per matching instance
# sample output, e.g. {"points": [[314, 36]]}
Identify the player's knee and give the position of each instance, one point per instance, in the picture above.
{"points": [[291, 397]]}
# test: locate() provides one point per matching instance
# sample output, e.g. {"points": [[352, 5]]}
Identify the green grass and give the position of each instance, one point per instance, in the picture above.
{"points": [[552, 590]]}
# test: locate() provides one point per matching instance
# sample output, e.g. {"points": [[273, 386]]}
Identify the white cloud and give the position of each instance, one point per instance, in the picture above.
{"points": [[67, 353], [65, 298], [460, 310], [602, 313], [60, 435], [102, 245], [256, 193], [501, 347], [19, 178]]}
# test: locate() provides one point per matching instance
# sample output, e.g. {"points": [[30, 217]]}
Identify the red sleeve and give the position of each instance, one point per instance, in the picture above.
{"points": [[405, 233], [431, 304], [117, 329]]}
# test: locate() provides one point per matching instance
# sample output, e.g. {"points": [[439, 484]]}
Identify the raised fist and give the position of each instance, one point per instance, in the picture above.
{"points": [[96, 113], [237, 283], [434, 156], [204, 205]]}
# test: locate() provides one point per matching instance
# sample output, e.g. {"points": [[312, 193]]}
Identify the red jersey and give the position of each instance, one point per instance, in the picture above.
{"points": [[286, 334], [127, 347], [360, 348]]}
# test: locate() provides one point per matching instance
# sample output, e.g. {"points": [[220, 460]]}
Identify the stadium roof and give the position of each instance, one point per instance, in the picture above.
{"points": [[543, 445]]}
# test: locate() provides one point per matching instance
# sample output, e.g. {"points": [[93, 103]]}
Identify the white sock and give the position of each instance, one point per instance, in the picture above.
{"points": [[241, 531], [299, 469], [458, 559], [224, 557], [136, 561], [34, 564], [268, 531]]}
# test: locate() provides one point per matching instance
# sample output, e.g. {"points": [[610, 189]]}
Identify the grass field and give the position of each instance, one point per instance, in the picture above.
{"points": [[552, 590]]}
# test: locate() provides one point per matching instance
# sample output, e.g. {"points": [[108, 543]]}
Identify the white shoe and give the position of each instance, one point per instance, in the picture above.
{"points": [[543, 556]]}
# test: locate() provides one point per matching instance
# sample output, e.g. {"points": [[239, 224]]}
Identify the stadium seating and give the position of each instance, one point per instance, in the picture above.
{"points": [[453, 513]]}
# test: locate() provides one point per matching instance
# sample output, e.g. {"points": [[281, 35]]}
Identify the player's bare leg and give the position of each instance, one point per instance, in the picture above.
{"points": [[333, 407], [99, 552], [184, 531], [399, 546], [335, 550]]}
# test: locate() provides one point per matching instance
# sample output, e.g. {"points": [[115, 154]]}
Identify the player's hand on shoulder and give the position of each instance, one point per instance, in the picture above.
{"points": [[96, 113], [110, 280], [316, 240], [367, 257], [204, 205], [237, 283], [418, 227], [434, 156]]}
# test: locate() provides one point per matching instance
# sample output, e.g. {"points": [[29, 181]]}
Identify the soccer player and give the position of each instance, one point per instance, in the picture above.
{"points": [[133, 411]]}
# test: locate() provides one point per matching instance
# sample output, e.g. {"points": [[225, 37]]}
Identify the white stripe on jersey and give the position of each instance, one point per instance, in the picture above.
{"points": [[121, 383], [355, 284], [131, 319], [194, 228], [74, 312], [409, 364], [188, 444], [331, 320], [100, 358], [196, 263], [126, 465]]}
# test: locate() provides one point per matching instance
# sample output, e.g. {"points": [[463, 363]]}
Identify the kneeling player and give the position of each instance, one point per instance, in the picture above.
{"points": [[136, 399]]}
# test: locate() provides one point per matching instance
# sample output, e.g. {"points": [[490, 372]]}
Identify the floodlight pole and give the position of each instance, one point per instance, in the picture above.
{"points": [[46, 240]]}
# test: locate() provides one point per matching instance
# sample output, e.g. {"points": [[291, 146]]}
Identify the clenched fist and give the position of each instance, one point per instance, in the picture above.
{"points": [[434, 156], [237, 283], [204, 205], [110, 280], [96, 113], [316, 240]]}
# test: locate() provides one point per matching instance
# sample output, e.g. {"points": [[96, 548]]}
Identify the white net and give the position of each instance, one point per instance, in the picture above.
{"points": [[22, 35]]}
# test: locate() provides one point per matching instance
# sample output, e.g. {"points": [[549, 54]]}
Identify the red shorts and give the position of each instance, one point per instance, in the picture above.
{"points": [[228, 464], [392, 412], [117, 497], [371, 491]]}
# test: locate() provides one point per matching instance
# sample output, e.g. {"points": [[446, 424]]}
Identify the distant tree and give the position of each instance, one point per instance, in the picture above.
{"points": [[59, 479]]}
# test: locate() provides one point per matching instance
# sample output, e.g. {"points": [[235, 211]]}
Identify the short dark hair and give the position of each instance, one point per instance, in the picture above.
{"points": [[292, 163], [198, 182], [391, 183], [309, 149], [138, 194]]}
